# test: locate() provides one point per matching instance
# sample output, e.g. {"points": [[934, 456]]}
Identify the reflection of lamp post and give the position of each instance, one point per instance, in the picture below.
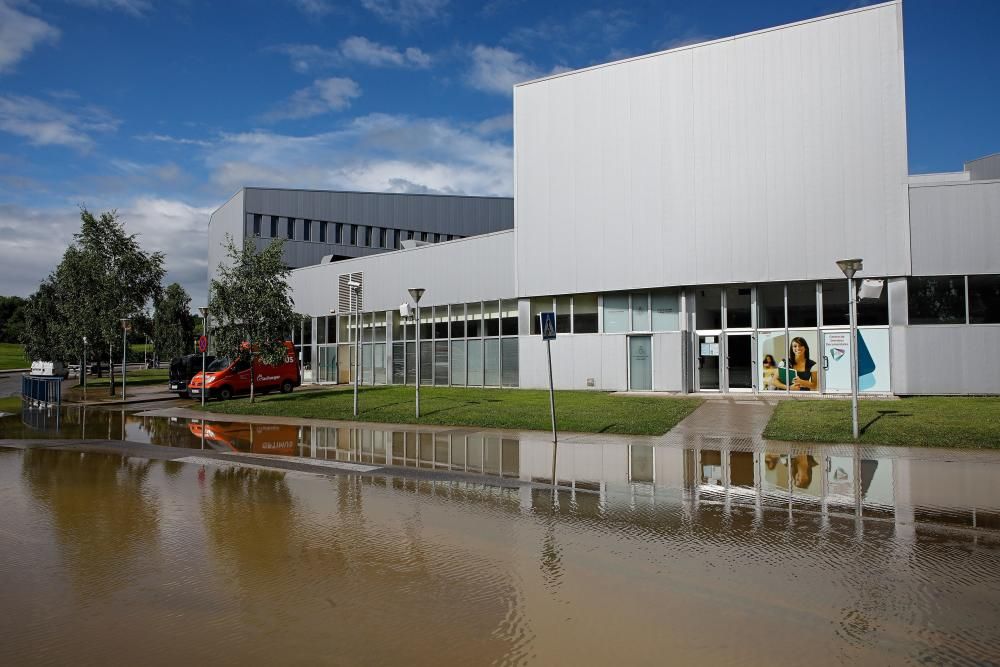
{"points": [[416, 293], [850, 267], [204, 381], [125, 325], [356, 307]]}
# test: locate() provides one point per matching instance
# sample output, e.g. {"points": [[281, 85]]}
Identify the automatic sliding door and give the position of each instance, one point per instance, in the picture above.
{"points": [[739, 362]]}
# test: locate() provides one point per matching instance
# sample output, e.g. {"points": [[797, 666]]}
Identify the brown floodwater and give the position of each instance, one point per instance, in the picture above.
{"points": [[648, 554]]}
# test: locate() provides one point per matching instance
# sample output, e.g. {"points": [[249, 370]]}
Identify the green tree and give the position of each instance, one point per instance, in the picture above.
{"points": [[11, 318], [44, 331], [173, 324], [251, 306], [104, 277]]}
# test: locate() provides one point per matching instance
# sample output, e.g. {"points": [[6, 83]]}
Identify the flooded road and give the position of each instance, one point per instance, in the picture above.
{"points": [[649, 554]]}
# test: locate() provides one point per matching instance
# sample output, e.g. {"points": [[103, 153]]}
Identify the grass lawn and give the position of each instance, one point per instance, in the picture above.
{"points": [[137, 378], [922, 421], [582, 411], [12, 356], [10, 404]]}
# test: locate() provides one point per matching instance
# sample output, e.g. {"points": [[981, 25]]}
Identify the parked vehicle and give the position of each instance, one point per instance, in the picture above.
{"points": [[182, 369], [226, 378]]}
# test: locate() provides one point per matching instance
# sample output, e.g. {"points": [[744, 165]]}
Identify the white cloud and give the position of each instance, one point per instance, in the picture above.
{"points": [[406, 13], [377, 153], [33, 240], [496, 124], [45, 125], [496, 70], [365, 51], [323, 96], [165, 138], [314, 8], [306, 57], [133, 7], [19, 34]]}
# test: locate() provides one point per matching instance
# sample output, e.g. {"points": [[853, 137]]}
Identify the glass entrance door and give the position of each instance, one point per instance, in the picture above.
{"points": [[739, 362], [327, 366], [640, 363], [708, 362]]}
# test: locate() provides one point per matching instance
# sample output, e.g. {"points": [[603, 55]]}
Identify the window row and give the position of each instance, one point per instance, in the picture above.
{"points": [[342, 233], [953, 299], [457, 321], [781, 305], [490, 362]]}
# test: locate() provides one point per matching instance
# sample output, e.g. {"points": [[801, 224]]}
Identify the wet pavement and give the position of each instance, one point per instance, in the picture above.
{"points": [[374, 544]]}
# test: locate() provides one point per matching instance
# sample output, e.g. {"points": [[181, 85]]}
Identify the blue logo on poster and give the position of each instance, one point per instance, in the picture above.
{"points": [[866, 365], [548, 325]]}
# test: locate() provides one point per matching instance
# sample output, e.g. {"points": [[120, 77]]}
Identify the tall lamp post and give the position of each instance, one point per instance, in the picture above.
{"points": [[851, 267], [416, 293], [204, 384], [83, 369], [356, 307], [125, 325]]}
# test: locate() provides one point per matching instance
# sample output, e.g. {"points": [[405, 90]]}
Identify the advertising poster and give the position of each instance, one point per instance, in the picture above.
{"points": [[873, 360], [788, 362], [801, 472]]}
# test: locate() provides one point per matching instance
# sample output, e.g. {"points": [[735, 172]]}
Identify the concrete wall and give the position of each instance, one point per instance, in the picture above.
{"points": [[955, 228], [472, 269], [227, 219], [946, 359], [761, 157]]}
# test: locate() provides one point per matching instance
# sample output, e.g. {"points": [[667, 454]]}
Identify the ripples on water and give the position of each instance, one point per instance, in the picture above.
{"points": [[652, 554]]}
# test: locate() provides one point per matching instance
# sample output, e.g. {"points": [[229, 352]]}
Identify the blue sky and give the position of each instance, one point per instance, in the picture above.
{"points": [[164, 109]]}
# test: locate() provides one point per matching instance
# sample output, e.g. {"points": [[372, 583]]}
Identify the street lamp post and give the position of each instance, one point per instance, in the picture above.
{"points": [[356, 307], [125, 324], [416, 293], [204, 384], [83, 369], [851, 267]]}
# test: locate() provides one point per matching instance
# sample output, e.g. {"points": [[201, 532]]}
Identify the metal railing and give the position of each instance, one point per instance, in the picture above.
{"points": [[42, 389]]}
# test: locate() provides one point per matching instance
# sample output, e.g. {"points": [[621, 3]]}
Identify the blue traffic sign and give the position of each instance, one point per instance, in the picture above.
{"points": [[548, 325]]}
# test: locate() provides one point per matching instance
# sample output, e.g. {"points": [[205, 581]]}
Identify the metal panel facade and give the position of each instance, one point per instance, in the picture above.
{"points": [[227, 219], [955, 228], [761, 157], [473, 269]]}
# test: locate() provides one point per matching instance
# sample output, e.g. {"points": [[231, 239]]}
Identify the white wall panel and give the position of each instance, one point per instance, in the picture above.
{"points": [[945, 359], [955, 228], [472, 269], [765, 156]]}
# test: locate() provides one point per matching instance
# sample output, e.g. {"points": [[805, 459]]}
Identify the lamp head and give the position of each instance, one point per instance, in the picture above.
{"points": [[850, 266], [416, 293]]}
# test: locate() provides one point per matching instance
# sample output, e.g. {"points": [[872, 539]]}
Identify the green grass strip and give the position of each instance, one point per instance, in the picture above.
{"points": [[920, 421], [580, 411]]}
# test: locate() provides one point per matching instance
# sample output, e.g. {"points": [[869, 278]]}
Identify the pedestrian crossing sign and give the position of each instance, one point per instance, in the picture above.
{"points": [[548, 325]]}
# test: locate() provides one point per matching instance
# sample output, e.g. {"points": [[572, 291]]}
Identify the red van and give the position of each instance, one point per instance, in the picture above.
{"points": [[226, 378]]}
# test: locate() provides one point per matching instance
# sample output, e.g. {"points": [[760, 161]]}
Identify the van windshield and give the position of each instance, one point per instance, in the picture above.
{"points": [[220, 364]]}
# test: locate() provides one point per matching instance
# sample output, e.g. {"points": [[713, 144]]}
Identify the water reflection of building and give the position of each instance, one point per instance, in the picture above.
{"points": [[824, 479]]}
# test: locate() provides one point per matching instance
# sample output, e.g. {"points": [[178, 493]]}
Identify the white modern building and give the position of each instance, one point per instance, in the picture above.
{"points": [[682, 213]]}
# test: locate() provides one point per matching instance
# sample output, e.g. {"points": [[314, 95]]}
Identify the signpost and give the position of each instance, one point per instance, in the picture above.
{"points": [[547, 324]]}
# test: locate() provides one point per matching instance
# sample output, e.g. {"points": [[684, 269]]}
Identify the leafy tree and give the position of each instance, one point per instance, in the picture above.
{"points": [[11, 318], [44, 330], [105, 276], [173, 324], [250, 305]]}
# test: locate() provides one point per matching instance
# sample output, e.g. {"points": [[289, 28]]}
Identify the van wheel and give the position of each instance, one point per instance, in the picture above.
{"points": [[225, 394], [286, 387]]}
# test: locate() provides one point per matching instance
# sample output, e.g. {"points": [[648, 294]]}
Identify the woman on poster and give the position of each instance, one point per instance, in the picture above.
{"points": [[805, 378]]}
